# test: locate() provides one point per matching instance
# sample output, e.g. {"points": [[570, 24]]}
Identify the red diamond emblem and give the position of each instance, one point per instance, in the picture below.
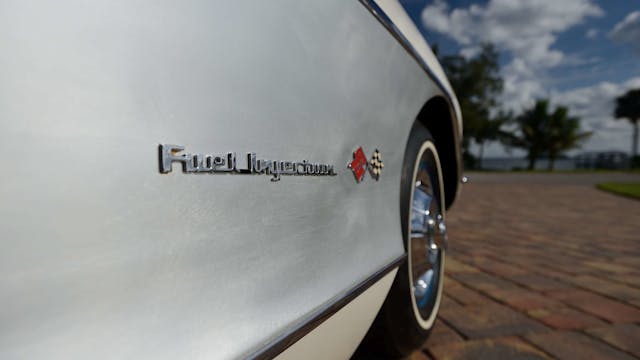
{"points": [[359, 164]]}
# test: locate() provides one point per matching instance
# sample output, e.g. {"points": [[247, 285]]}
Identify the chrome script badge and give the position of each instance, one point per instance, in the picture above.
{"points": [[228, 164]]}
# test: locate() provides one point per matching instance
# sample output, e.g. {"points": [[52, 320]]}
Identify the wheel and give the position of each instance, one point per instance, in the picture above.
{"points": [[409, 311]]}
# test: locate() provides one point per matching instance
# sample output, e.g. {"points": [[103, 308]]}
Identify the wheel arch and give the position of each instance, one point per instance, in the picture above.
{"points": [[437, 116]]}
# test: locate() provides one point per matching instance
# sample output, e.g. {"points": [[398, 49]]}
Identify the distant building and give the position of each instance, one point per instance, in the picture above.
{"points": [[602, 160]]}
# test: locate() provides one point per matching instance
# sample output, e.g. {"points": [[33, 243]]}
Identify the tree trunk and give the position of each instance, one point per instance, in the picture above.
{"points": [[552, 161], [480, 155], [634, 146], [532, 161]]}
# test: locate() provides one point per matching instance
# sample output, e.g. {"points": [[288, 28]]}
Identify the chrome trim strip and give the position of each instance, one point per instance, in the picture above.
{"points": [[382, 17], [274, 347]]}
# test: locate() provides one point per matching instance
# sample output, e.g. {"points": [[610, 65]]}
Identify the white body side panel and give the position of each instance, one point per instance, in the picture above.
{"points": [[338, 336]]}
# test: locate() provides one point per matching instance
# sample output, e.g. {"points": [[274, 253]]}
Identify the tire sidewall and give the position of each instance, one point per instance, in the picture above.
{"points": [[409, 333], [396, 332]]}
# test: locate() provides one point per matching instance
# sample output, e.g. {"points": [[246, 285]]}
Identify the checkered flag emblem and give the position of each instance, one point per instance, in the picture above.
{"points": [[359, 165], [376, 165]]}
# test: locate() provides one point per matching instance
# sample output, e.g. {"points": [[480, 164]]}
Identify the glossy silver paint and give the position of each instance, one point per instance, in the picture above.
{"points": [[103, 257]]}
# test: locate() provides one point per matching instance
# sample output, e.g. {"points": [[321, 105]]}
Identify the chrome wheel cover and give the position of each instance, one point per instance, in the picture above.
{"points": [[427, 236]]}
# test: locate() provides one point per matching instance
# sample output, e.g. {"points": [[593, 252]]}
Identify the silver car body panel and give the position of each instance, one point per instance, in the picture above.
{"points": [[104, 257]]}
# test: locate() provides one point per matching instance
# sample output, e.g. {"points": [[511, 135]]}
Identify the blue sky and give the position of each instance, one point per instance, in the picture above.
{"points": [[579, 53]]}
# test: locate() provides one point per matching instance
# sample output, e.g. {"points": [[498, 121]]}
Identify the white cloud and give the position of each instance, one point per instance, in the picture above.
{"points": [[525, 29], [521, 85], [595, 105], [469, 52], [628, 30], [591, 33]]}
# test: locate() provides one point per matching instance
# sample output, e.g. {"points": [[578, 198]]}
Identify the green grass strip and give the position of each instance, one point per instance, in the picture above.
{"points": [[625, 189]]}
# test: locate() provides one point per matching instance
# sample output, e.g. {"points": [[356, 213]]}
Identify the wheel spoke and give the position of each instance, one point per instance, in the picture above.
{"points": [[420, 210], [425, 188]]}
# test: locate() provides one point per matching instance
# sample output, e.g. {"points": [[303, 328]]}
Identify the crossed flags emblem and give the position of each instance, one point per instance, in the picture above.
{"points": [[360, 165]]}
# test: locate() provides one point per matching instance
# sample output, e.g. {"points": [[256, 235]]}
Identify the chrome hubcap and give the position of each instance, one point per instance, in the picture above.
{"points": [[427, 236]]}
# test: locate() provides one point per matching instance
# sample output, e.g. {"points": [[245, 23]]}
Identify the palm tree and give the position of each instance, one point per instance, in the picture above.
{"points": [[628, 106], [543, 133], [491, 130], [477, 84], [563, 134], [531, 125]]}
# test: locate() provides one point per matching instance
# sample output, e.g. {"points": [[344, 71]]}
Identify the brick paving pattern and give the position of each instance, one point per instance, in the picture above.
{"points": [[538, 269]]}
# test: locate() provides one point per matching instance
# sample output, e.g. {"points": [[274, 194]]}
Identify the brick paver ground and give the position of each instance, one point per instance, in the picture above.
{"points": [[540, 267]]}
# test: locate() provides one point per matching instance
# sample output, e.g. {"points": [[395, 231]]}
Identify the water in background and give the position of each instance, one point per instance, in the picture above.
{"points": [[521, 164], [585, 160]]}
